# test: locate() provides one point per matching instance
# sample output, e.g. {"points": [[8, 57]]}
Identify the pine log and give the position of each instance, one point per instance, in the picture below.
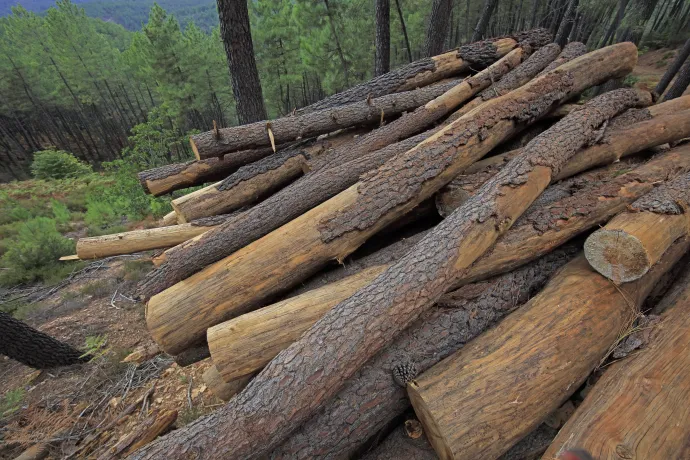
{"points": [[638, 409], [570, 51], [220, 388], [169, 219], [515, 78], [337, 227], [633, 241], [143, 240], [168, 178], [366, 111], [422, 117], [257, 180], [508, 380], [426, 71], [618, 142], [290, 389], [152, 427]]}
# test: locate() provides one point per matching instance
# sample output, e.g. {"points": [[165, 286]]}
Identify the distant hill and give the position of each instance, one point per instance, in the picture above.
{"points": [[131, 13]]}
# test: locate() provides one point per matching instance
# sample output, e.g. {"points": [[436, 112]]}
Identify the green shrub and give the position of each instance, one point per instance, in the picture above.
{"points": [[34, 252], [61, 213], [98, 289], [58, 164], [11, 402]]}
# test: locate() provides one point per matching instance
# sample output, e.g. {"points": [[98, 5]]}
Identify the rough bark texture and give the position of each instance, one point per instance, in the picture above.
{"points": [[566, 23], [371, 398], [382, 59], [428, 70], [673, 68], [149, 429], [570, 51], [237, 38], [637, 409], [524, 359], [293, 386], [217, 143], [33, 348], [681, 84], [168, 178], [437, 27]]}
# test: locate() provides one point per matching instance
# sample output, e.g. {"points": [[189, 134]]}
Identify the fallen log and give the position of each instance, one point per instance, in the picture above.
{"points": [[515, 78], [337, 227], [169, 219], [168, 178], [508, 380], [570, 51], [618, 142], [287, 129], [220, 388], [290, 389], [633, 241], [426, 71], [637, 409], [144, 240], [152, 427]]}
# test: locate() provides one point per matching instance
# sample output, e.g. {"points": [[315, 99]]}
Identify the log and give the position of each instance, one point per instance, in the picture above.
{"points": [[515, 78], [637, 409], [617, 142], [633, 241], [168, 178], [219, 387], [365, 111], [570, 51], [290, 389], [337, 227], [152, 427], [255, 181], [426, 71], [169, 219], [510, 379], [143, 240]]}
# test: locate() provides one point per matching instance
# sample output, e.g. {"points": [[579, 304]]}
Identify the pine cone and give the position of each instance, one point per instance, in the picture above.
{"points": [[403, 373]]}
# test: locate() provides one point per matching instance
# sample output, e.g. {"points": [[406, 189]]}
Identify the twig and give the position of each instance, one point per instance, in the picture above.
{"points": [[189, 393]]}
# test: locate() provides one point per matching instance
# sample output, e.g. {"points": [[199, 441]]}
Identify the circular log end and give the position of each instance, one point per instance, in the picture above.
{"points": [[617, 255]]}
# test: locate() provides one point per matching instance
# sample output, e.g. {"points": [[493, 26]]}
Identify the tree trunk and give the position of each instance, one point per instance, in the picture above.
{"points": [[97, 247], [489, 379], [404, 31], [632, 242], [288, 391], [150, 429], [429, 70], [566, 23], [570, 51], [314, 188], [343, 61], [487, 12], [637, 408], [541, 230], [219, 142], [33, 348], [237, 38], [681, 84], [620, 13], [437, 28], [382, 62]]}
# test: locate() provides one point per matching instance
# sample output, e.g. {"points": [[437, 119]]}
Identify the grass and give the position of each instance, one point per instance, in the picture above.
{"points": [[98, 289], [11, 402], [135, 270]]}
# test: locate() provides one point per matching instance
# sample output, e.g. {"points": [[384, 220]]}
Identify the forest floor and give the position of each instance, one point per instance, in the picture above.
{"points": [[93, 310]]}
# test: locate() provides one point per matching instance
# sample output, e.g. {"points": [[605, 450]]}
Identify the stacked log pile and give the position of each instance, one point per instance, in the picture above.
{"points": [[408, 182]]}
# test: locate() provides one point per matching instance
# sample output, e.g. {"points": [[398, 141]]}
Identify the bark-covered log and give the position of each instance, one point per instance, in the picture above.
{"points": [[168, 178], [33, 348], [366, 111], [680, 84], [426, 71], [617, 142], [677, 63], [633, 241], [512, 377], [515, 78], [291, 388], [570, 51], [638, 409], [143, 240], [150, 429], [219, 387]]}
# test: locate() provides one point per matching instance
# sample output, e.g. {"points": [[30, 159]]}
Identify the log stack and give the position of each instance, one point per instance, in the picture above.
{"points": [[352, 218]]}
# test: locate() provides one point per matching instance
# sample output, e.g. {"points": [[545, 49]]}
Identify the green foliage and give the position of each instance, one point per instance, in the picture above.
{"points": [[61, 212], [34, 252], [11, 402], [631, 80], [95, 346], [57, 164], [98, 289]]}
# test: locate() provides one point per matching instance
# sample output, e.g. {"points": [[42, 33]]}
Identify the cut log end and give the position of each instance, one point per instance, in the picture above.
{"points": [[617, 255], [431, 428], [195, 149]]}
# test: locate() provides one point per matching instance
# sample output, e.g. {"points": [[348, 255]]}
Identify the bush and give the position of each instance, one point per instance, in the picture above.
{"points": [[34, 252], [58, 164]]}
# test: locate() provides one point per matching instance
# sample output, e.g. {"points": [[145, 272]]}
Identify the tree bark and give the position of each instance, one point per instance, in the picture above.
{"points": [[151, 428], [566, 23], [681, 84], [33, 348], [633, 241], [314, 188], [515, 375], [437, 28], [620, 13], [570, 51], [673, 68], [237, 38], [220, 142], [290, 389], [382, 62], [487, 12], [636, 409], [429, 70]]}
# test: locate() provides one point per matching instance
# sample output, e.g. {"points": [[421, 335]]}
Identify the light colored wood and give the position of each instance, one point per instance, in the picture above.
{"points": [[639, 408], [480, 401], [137, 241], [169, 219], [153, 427], [72, 257], [627, 247], [245, 344], [220, 388]]}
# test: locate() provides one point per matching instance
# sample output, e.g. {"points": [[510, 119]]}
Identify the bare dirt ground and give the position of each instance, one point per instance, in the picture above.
{"points": [[73, 405]]}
